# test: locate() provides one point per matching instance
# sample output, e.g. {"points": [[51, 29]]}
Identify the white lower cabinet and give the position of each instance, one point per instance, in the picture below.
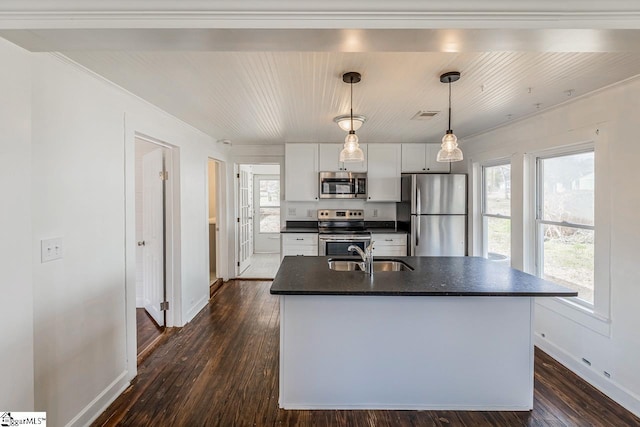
{"points": [[299, 244], [392, 244]]}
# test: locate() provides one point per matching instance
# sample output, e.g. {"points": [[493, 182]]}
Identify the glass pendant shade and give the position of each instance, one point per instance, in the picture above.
{"points": [[449, 151], [351, 151]]}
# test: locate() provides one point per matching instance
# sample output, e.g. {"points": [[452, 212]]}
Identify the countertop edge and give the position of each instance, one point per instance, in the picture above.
{"points": [[424, 294]]}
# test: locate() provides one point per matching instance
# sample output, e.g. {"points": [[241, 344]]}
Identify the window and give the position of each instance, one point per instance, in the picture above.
{"points": [[269, 205], [496, 211], [565, 221]]}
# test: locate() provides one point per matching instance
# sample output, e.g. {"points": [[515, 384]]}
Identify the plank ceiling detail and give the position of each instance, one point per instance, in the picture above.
{"points": [[276, 97]]}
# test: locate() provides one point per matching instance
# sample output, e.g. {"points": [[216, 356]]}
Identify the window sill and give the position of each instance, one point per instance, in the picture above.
{"points": [[578, 313]]}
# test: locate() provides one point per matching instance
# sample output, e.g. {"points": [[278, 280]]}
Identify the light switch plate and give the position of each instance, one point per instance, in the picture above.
{"points": [[51, 249]]}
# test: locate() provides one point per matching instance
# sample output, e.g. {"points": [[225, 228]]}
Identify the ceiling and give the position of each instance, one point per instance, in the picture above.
{"points": [[275, 97], [272, 86]]}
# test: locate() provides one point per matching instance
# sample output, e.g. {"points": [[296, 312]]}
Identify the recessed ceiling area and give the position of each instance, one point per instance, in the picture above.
{"points": [[276, 86]]}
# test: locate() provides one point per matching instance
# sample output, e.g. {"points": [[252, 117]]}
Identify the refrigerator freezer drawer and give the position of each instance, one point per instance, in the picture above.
{"points": [[438, 235]]}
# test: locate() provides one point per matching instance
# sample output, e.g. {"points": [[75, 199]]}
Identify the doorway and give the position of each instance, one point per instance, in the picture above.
{"points": [[151, 200], [258, 190], [213, 177]]}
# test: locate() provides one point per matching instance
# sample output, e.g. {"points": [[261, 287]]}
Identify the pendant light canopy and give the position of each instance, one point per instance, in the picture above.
{"points": [[449, 151], [351, 151]]}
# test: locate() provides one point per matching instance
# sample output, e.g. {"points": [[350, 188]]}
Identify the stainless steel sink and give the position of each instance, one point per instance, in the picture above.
{"points": [[390, 265], [344, 265], [378, 265]]}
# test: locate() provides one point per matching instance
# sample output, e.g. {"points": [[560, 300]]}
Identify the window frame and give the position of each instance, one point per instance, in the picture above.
{"points": [[483, 205], [539, 222]]}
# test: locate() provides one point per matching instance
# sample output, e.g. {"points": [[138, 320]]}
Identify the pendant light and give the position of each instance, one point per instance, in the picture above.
{"points": [[449, 151], [351, 151]]}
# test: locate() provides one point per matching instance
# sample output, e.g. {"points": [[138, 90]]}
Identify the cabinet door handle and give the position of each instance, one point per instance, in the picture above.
{"points": [[388, 240], [299, 239]]}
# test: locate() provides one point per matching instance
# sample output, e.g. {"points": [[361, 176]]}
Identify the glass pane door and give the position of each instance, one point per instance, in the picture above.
{"points": [[267, 202]]}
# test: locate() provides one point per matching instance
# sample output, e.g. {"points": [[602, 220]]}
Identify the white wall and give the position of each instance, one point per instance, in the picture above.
{"points": [[68, 165], [610, 341], [16, 286]]}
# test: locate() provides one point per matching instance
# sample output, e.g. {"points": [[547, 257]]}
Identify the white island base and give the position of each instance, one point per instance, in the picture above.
{"points": [[406, 352]]}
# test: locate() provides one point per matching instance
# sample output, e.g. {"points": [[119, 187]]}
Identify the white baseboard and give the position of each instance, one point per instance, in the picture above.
{"points": [[101, 402], [611, 388], [195, 309]]}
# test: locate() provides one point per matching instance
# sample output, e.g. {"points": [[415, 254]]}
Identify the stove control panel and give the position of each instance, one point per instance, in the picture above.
{"points": [[340, 214]]}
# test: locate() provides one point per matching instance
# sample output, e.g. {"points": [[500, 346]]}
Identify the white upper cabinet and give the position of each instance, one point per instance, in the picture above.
{"points": [[422, 158], [301, 172], [330, 159], [413, 157], [383, 177]]}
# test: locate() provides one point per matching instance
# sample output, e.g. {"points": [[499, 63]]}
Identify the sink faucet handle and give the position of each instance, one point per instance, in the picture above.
{"points": [[370, 247]]}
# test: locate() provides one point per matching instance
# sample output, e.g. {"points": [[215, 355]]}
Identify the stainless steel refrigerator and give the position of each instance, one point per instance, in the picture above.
{"points": [[434, 210]]}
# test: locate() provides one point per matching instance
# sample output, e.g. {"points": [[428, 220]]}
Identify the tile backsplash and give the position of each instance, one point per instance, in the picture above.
{"points": [[308, 211]]}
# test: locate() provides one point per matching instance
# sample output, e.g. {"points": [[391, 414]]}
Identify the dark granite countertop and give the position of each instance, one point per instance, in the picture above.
{"points": [[300, 227], [432, 276]]}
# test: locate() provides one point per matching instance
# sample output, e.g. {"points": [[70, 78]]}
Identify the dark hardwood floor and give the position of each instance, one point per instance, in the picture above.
{"points": [[148, 330], [222, 370]]}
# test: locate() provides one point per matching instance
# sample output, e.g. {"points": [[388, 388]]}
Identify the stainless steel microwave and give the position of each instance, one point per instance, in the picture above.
{"points": [[343, 185]]}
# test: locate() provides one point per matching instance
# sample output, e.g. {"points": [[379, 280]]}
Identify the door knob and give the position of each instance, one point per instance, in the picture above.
{"points": [[141, 243]]}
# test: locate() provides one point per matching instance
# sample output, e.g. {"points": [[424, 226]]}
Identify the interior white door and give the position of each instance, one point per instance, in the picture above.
{"points": [[266, 217], [153, 234], [245, 224]]}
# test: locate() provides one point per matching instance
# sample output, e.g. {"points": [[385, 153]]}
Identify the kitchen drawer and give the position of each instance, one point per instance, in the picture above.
{"points": [[292, 250], [396, 239], [300, 239]]}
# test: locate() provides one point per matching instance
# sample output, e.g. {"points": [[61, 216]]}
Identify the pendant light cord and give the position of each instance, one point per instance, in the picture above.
{"points": [[351, 102], [449, 103]]}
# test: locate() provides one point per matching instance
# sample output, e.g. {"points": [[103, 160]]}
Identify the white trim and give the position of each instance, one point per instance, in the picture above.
{"points": [[102, 401], [196, 308], [349, 14], [608, 386]]}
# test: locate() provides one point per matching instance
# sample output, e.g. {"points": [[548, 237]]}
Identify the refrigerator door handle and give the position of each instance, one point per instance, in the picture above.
{"points": [[417, 230], [418, 202]]}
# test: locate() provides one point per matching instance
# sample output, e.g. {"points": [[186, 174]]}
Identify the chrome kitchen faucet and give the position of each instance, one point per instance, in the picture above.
{"points": [[366, 255]]}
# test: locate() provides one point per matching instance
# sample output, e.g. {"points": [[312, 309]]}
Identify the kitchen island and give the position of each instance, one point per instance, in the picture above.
{"points": [[447, 333]]}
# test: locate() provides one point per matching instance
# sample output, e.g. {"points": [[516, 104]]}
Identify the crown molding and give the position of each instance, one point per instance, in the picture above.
{"points": [[75, 14]]}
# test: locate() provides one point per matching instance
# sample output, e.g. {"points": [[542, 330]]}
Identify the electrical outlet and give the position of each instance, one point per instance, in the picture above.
{"points": [[51, 249], [292, 211], [375, 213]]}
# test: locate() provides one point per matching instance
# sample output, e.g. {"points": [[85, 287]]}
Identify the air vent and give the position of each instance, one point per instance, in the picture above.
{"points": [[424, 115]]}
